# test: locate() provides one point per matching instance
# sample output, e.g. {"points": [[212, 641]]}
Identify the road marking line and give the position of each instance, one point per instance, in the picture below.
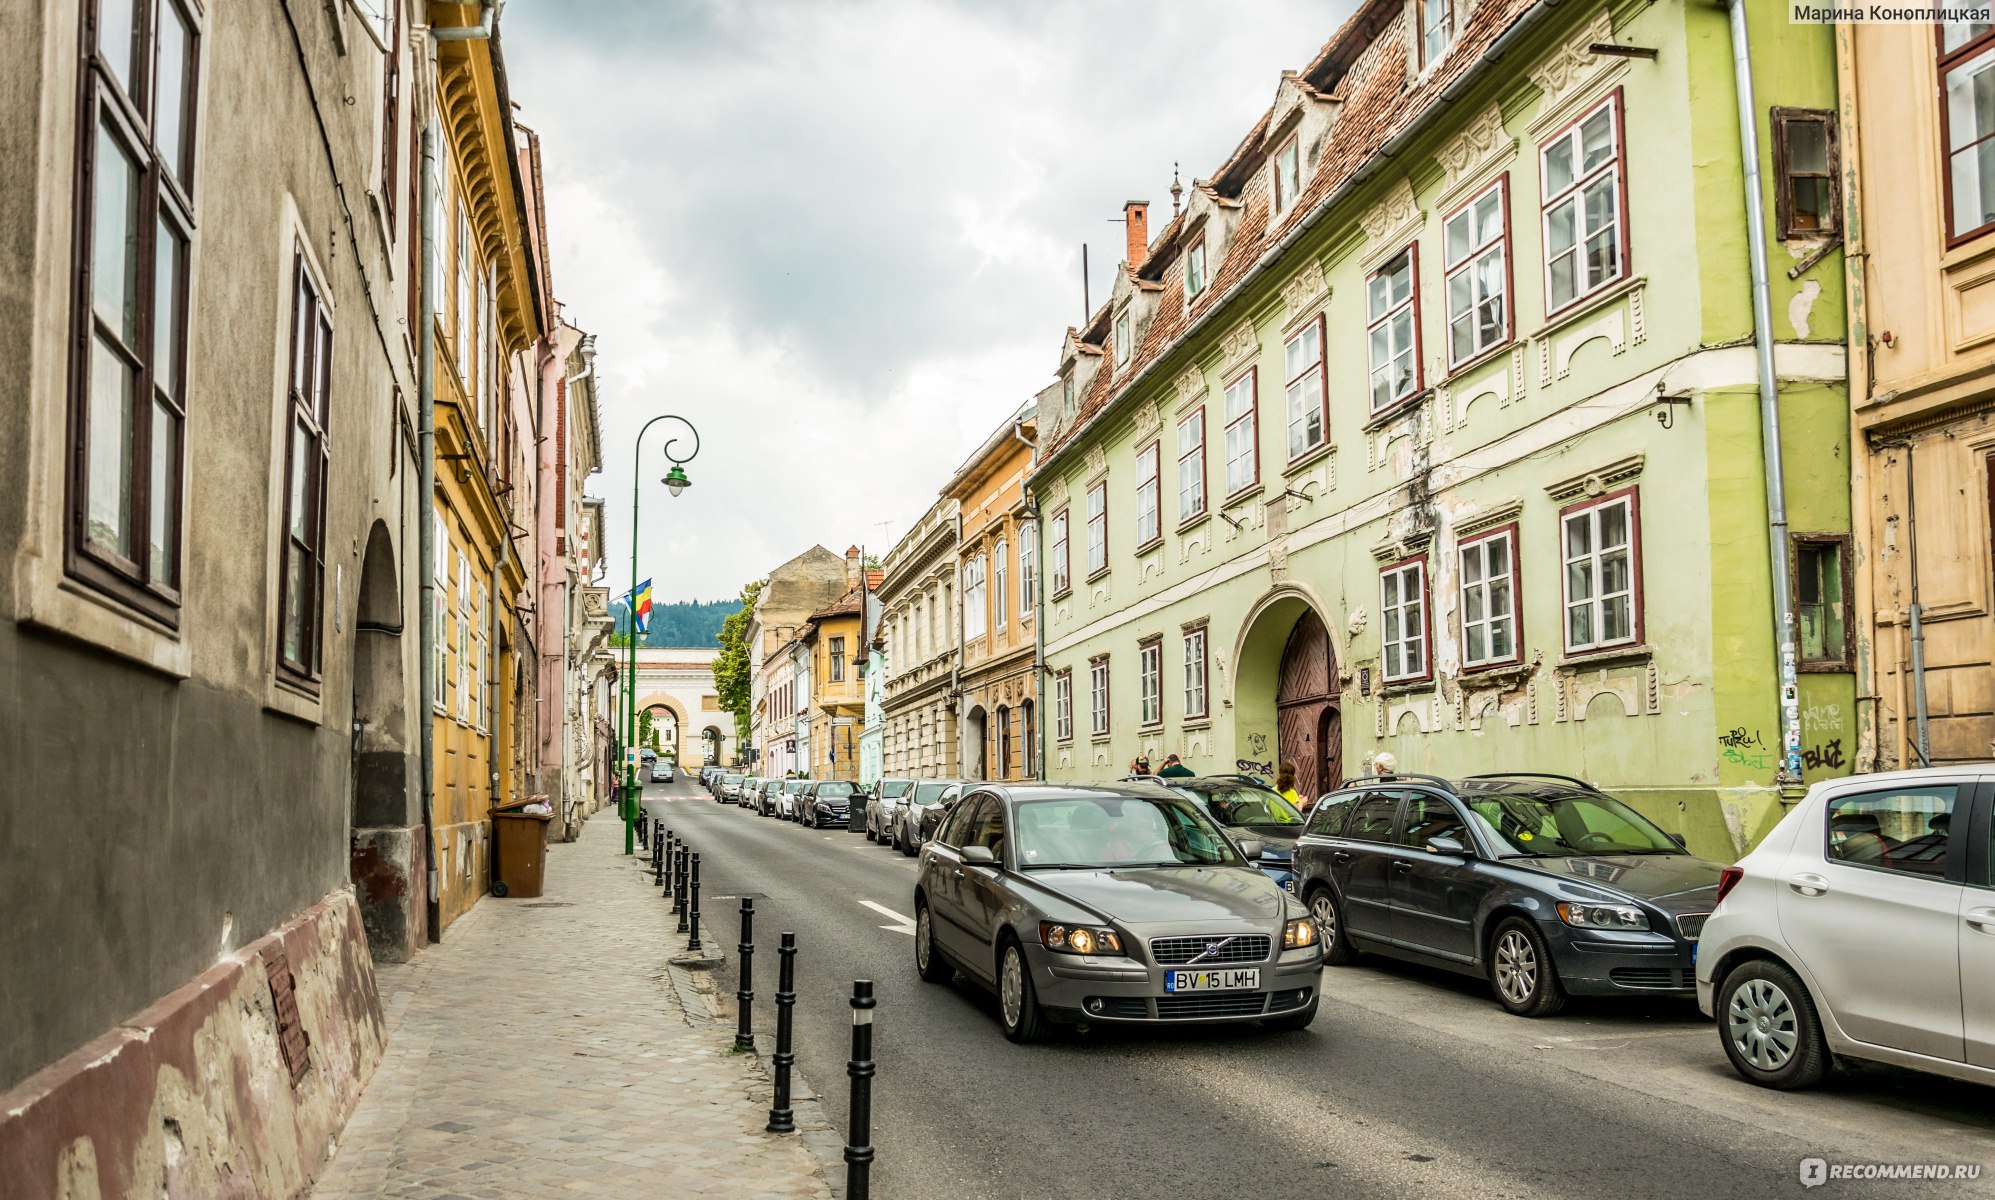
{"points": [[905, 925]]}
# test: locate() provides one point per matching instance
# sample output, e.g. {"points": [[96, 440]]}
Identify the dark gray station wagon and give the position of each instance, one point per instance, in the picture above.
{"points": [[1545, 885], [1109, 903]]}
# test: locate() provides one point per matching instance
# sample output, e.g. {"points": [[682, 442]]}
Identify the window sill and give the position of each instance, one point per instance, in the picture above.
{"points": [[1098, 576], [1494, 675], [1406, 687], [1194, 724], [1150, 545], [1309, 458], [1588, 659], [286, 699], [1479, 361], [1062, 594], [1152, 727], [1193, 522], [1394, 411], [53, 601], [1825, 667], [1586, 305], [1245, 494]]}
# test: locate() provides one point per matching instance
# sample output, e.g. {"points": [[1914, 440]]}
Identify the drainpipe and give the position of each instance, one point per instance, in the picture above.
{"points": [[1789, 774], [426, 451], [1916, 614], [480, 32], [1038, 621], [1856, 261]]}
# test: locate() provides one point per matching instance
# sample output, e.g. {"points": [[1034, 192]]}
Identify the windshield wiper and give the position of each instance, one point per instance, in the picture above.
{"points": [[1062, 866]]}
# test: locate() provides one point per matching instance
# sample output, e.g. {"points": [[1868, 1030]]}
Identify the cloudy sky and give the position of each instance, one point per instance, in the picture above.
{"points": [[843, 236]]}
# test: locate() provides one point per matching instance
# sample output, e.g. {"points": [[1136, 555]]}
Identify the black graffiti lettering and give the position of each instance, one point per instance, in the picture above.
{"points": [[1824, 757]]}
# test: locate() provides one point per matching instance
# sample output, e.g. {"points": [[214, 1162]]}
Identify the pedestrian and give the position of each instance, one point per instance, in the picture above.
{"points": [[1175, 769], [1285, 783], [1141, 767]]}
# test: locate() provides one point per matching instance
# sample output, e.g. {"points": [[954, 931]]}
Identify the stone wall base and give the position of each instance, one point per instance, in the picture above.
{"points": [[192, 1099], [391, 881]]}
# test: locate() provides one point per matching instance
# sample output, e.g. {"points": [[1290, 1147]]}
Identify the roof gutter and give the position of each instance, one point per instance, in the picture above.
{"points": [[1504, 42]]}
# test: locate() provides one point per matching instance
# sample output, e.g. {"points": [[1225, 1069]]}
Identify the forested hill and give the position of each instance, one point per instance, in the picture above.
{"points": [[681, 623]]}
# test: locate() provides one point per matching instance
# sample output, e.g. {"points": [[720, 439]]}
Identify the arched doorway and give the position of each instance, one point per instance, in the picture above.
{"points": [[710, 739], [386, 857], [976, 757], [1308, 729]]}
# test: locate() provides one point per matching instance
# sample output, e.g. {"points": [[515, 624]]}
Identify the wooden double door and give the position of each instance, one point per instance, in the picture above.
{"points": [[1308, 723]]}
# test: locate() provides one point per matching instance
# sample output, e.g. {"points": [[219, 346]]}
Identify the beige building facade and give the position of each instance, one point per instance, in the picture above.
{"points": [[997, 560], [918, 625]]}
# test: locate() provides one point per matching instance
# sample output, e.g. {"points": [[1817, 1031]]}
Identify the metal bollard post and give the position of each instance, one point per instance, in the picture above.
{"points": [[657, 858], [693, 943], [859, 1141], [643, 825], [671, 864], [679, 895], [781, 1118], [744, 1029]]}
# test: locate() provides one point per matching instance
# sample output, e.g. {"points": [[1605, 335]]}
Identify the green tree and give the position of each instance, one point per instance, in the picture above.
{"points": [[730, 669], [647, 733]]}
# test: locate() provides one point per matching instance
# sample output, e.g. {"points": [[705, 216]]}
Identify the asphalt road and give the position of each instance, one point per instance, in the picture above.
{"points": [[1410, 1083]]}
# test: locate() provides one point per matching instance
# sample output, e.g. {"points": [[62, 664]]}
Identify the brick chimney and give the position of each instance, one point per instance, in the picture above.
{"points": [[1136, 222], [852, 567]]}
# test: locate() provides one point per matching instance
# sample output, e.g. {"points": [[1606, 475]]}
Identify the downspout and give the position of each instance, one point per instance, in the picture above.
{"points": [[1856, 262], [494, 722], [426, 452], [1789, 774], [1915, 615], [1038, 621], [480, 32]]}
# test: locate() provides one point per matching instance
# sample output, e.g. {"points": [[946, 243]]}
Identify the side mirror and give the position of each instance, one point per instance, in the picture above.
{"points": [[1250, 848], [978, 856], [1452, 847], [1678, 839]]}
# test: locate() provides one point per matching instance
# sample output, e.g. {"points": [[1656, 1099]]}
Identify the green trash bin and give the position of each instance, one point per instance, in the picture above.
{"points": [[519, 861]]}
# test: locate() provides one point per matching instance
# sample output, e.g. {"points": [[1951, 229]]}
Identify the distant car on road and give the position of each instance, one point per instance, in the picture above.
{"points": [[1862, 927], [883, 808], [1544, 885], [828, 803], [661, 771], [1110, 902], [729, 791], [926, 795], [1248, 810], [787, 800], [933, 815]]}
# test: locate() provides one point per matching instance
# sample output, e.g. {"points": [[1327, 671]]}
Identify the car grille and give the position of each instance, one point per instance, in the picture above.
{"points": [[1660, 978], [1293, 998], [1117, 1006], [1218, 1004], [1245, 947], [1691, 925]]}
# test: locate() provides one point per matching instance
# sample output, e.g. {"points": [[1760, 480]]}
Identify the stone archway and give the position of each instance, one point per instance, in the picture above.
{"points": [[662, 703], [711, 741], [1287, 692], [976, 744], [386, 855]]}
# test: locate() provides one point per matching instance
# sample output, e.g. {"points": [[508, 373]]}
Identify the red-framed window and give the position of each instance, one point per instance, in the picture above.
{"points": [[1149, 518], [1475, 259], [1403, 623], [1392, 313], [1243, 439], [1150, 676], [1196, 663], [1098, 528], [1600, 542], [1057, 560], [1191, 465], [1098, 696], [1967, 126], [1308, 390], [1063, 706], [1487, 570], [1584, 197], [133, 215], [1807, 198]]}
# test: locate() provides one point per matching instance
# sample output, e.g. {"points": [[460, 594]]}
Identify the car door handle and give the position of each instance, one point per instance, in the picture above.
{"points": [[1982, 919], [1401, 865], [959, 872], [1808, 883], [1341, 856]]}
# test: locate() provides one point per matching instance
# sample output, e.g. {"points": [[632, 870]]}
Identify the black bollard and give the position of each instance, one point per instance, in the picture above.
{"points": [[671, 857], [744, 1029], [693, 943], [679, 895], [781, 1118], [657, 857], [643, 825], [859, 1142]]}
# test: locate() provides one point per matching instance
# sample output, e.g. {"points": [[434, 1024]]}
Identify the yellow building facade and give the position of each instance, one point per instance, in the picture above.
{"points": [[1920, 255], [997, 557]]}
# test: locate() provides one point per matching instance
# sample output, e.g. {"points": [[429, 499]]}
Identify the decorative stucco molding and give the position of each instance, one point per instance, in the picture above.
{"points": [[1096, 462], [1148, 421], [1191, 385], [1241, 344], [1596, 482], [1390, 224], [1305, 289], [1489, 518], [1475, 154], [1572, 74]]}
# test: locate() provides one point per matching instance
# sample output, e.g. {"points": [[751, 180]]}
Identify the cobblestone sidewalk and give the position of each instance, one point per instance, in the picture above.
{"points": [[544, 1050]]}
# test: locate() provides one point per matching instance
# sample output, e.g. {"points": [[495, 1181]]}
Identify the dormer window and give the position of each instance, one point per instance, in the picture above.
{"points": [[1437, 30], [1122, 339], [1288, 175], [1195, 270], [1067, 394]]}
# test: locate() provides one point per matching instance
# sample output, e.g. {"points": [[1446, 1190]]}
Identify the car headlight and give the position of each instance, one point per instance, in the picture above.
{"points": [[1299, 933], [1602, 916], [1078, 939]]}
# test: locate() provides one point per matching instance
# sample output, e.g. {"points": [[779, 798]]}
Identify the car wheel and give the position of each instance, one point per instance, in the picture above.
{"points": [[1290, 1022], [928, 961], [900, 840], [870, 835], [1337, 948], [1018, 1004], [1521, 971], [1768, 1024]]}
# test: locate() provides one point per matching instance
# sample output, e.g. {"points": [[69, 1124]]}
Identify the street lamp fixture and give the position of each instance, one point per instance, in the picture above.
{"points": [[676, 482]]}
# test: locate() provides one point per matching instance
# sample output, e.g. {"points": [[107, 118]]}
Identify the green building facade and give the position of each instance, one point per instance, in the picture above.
{"points": [[1430, 427]]}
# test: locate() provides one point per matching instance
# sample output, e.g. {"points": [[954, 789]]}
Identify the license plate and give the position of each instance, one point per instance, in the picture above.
{"points": [[1211, 981], [1693, 954]]}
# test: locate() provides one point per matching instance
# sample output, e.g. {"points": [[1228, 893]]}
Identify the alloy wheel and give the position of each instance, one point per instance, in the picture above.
{"points": [[1516, 967], [1011, 987], [1324, 909], [1761, 1022], [921, 932]]}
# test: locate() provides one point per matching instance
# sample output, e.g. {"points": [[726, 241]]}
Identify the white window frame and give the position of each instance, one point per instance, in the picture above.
{"points": [[975, 614], [1098, 723], [1243, 442], [1308, 388], [1435, 21], [1028, 571], [1611, 171], [1397, 317], [1196, 668], [1191, 466], [439, 610], [1063, 706], [1287, 183], [1063, 578], [1124, 343], [1475, 552], [1595, 560], [1000, 578], [1149, 499], [1195, 279], [461, 710], [1477, 248], [1404, 608], [1097, 528], [1150, 678]]}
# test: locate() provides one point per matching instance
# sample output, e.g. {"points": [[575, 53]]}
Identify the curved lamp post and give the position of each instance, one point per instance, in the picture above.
{"points": [[675, 481]]}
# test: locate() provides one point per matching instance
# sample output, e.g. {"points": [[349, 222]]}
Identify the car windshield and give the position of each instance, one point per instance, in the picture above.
{"points": [[1548, 823], [1247, 806], [730, 779], [929, 793], [834, 791], [894, 789], [1090, 832]]}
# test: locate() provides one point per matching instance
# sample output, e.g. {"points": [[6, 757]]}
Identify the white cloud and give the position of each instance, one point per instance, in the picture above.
{"points": [[843, 238]]}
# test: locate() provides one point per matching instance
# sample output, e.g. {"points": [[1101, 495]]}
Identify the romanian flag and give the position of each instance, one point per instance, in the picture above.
{"points": [[640, 606]]}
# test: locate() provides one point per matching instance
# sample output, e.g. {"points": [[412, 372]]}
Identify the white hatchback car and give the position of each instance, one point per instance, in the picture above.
{"points": [[1862, 927]]}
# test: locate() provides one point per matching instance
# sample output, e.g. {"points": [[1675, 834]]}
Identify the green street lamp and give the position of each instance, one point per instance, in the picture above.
{"points": [[675, 481]]}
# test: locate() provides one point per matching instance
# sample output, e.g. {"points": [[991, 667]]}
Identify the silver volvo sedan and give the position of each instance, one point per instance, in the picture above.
{"points": [[1109, 902]]}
